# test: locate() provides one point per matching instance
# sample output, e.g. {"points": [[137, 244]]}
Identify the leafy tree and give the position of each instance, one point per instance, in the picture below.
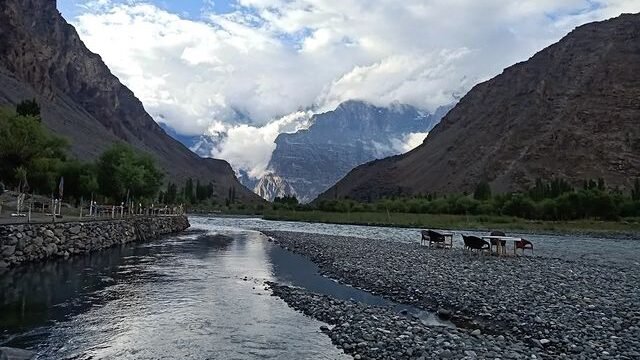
{"points": [[483, 191], [635, 193], [188, 191], [21, 178], [24, 142], [172, 194], [287, 199], [520, 206], [80, 180], [121, 169], [29, 108]]}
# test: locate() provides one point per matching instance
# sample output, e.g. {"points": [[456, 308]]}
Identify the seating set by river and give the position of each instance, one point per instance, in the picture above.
{"points": [[512, 307]]}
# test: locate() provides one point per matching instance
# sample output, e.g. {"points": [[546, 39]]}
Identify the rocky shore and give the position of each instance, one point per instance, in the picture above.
{"points": [[525, 306], [33, 242], [370, 332]]}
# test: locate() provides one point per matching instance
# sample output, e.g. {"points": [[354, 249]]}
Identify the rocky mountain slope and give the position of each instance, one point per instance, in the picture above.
{"points": [[271, 186], [42, 57], [310, 161], [571, 111]]}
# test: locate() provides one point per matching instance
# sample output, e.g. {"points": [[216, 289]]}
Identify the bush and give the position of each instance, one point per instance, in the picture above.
{"points": [[520, 206]]}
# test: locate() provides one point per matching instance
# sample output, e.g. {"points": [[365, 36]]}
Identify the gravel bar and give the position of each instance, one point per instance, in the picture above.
{"points": [[371, 332], [558, 308]]}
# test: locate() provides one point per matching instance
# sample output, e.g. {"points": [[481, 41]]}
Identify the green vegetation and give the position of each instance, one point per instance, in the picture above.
{"points": [[550, 201], [201, 197], [547, 206], [121, 171], [33, 160]]}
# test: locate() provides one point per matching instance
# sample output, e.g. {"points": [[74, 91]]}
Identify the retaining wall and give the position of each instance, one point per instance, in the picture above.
{"points": [[34, 242]]}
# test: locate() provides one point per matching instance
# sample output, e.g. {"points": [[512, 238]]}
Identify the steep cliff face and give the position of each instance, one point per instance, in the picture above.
{"points": [[571, 111], [356, 132], [42, 56]]}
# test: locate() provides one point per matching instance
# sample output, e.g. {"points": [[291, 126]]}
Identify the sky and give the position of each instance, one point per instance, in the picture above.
{"points": [[255, 68]]}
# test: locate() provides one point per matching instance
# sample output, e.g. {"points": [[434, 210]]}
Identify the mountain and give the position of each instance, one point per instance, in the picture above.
{"points": [[42, 57], [310, 161], [202, 145], [272, 186], [571, 111]]}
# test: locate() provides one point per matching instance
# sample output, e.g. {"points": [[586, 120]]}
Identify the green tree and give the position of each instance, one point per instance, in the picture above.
{"points": [[635, 193], [188, 191], [28, 108], [172, 193], [24, 142], [483, 191], [80, 180], [121, 169]]}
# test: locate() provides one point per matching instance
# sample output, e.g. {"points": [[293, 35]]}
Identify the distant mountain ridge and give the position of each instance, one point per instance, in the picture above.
{"points": [[42, 57], [311, 160], [572, 111]]}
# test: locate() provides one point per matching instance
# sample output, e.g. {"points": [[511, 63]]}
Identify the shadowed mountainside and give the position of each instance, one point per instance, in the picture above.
{"points": [[42, 57]]}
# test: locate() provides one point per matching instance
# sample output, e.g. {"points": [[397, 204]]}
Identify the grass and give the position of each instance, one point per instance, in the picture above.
{"points": [[458, 222]]}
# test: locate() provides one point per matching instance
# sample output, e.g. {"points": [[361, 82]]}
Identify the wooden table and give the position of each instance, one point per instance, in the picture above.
{"points": [[500, 239]]}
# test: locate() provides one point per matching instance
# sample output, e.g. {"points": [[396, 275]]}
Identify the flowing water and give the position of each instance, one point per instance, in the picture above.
{"points": [[189, 296], [197, 296]]}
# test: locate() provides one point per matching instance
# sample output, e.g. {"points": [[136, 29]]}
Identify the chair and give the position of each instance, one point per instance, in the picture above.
{"points": [[475, 243], [425, 238], [523, 244], [435, 237], [494, 242]]}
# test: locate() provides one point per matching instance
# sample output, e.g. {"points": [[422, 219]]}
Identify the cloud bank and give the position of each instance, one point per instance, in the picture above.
{"points": [[265, 59]]}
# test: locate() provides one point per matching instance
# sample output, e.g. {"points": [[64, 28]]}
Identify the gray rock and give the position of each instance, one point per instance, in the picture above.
{"points": [[7, 353], [8, 250]]}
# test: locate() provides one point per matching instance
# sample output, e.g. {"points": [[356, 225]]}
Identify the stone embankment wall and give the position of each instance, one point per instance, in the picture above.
{"points": [[34, 242]]}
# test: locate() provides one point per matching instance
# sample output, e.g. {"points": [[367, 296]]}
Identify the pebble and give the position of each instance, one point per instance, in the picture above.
{"points": [[563, 301]]}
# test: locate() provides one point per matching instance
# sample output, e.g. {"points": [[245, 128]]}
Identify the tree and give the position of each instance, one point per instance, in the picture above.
{"points": [[291, 200], [24, 142], [80, 179], [122, 170], [635, 193], [188, 191], [29, 108], [172, 193], [483, 191]]}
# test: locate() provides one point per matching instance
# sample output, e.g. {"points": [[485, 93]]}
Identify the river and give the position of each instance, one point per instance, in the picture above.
{"points": [[196, 296], [189, 296]]}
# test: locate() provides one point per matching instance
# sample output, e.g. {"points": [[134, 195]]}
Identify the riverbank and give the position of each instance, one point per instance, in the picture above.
{"points": [[22, 243], [578, 308], [628, 227], [370, 332]]}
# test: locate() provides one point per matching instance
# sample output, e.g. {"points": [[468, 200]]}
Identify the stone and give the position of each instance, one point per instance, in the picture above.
{"points": [[476, 332], [8, 250], [444, 314], [7, 353]]}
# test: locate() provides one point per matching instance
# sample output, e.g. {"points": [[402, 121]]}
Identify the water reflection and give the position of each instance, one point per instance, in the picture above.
{"points": [[188, 297]]}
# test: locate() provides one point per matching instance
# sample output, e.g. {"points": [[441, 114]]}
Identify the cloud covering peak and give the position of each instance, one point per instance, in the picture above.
{"points": [[260, 60]]}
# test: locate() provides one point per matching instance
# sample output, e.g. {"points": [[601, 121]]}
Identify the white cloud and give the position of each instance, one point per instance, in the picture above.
{"points": [[250, 147], [269, 58]]}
